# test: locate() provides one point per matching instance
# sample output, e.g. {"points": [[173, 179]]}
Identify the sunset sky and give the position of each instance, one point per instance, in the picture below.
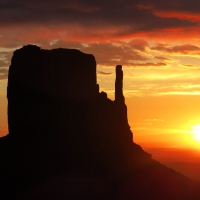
{"points": [[158, 44]]}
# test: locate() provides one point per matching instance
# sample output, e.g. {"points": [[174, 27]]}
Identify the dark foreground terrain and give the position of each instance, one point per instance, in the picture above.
{"points": [[69, 141]]}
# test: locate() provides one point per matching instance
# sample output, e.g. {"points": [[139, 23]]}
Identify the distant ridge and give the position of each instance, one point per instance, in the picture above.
{"points": [[67, 140]]}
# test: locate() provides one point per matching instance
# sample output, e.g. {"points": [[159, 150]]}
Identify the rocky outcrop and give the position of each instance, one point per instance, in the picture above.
{"points": [[53, 96], [69, 141], [119, 97], [61, 73], [40, 84]]}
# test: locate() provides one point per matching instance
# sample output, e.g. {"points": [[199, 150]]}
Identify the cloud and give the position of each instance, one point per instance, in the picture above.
{"points": [[158, 82], [138, 44], [184, 49], [5, 59], [109, 54], [177, 49], [123, 32], [187, 66], [3, 63], [3, 73], [161, 89], [161, 58], [84, 20], [184, 10], [104, 73], [149, 65], [79, 6], [194, 17]]}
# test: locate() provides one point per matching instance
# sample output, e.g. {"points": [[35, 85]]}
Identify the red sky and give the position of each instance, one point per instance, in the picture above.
{"points": [[157, 43]]}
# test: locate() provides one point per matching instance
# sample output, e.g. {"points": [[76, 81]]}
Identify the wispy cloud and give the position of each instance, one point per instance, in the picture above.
{"points": [[104, 73], [184, 49]]}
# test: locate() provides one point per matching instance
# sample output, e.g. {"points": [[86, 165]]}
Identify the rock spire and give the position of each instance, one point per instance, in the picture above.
{"points": [[119, 97]]}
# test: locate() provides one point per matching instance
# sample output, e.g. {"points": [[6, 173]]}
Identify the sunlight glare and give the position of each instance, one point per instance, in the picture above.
{"points": [[196, 132]]}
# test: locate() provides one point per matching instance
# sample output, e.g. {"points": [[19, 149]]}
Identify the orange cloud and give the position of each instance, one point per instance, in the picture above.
{"points": [[138, 44], [194, 17], [180, 49], [45, 34], [177, 10], [149, 65], [161, 58], [171, 34]]}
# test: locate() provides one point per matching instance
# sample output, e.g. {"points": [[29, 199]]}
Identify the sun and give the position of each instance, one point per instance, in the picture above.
{"points": [[196, 132]]}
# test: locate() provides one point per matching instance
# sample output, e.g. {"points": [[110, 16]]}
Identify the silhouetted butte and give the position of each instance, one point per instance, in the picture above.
{"points": [[67, 140]]}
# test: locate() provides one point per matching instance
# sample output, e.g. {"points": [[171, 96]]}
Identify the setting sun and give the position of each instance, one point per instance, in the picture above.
{"points": [[196, 131]]}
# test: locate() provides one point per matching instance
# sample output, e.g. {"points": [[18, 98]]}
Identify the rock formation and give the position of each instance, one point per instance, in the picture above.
{"points": [[41, 79], [119, 97], [69, 141]]}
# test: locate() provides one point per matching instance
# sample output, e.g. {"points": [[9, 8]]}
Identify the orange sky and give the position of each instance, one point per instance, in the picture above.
{"points": [[157, 43]]}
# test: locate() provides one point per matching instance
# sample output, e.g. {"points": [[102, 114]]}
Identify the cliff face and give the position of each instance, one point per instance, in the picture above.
{"points": [[61, 126]]}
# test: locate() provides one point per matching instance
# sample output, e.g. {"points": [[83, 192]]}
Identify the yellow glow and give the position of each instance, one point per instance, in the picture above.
{"points": [[196, 132]]}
